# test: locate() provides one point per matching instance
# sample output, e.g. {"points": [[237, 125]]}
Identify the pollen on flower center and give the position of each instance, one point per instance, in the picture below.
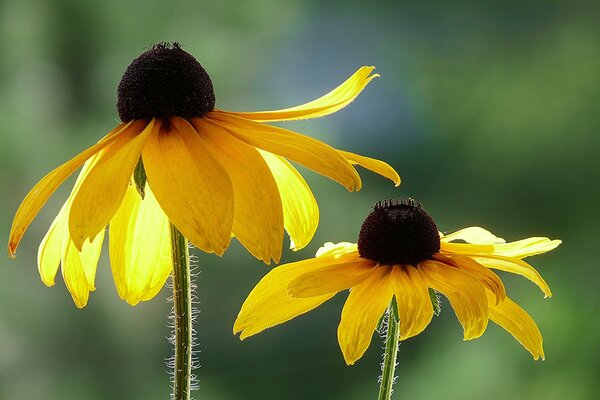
{"points": [[163, 82], [398, 232]]}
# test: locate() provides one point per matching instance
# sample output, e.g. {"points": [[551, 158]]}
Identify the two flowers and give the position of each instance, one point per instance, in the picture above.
{"points": [[214, 175]]}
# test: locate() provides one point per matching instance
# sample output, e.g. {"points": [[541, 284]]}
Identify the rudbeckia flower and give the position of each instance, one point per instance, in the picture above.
{"points": [[213, 174], [400, 254]]}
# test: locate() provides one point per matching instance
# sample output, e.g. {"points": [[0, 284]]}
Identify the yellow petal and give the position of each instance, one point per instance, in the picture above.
{"points": [[39, 194], [527, 247], [515, 266], [51, 247], [304, 150], [333, 101], [192, 188], [466, 248], [519, 249], [300, 209], [337, 249], [103, 189], [466, 295], [518, 323], [140, 251], [362, 311], [414, 304], [50, 250], [474, 235], [269, 303], [372, 164], [79, 267], [258, 214], [489, 279], [342, 274]]}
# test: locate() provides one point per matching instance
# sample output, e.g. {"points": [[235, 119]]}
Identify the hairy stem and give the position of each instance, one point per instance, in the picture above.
{"points": [[391, 350], [182, 309]]}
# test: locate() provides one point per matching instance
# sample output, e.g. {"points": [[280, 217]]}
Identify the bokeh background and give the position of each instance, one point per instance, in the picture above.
{"points": [[489, 111]]}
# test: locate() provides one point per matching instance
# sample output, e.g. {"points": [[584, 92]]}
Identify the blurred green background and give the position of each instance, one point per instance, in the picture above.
{"points": [[489, 111]]}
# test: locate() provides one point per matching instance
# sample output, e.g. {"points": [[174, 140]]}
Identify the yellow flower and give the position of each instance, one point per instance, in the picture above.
{"points": [[401, 254], [213, 174]]}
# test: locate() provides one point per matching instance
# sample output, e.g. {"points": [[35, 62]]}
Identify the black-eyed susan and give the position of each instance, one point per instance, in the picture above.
{"points": [[399, 256], [213, 174]]}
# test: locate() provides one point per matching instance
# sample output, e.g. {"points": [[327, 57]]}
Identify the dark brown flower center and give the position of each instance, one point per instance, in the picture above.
{"points": [[398, 232], [163, 82]]}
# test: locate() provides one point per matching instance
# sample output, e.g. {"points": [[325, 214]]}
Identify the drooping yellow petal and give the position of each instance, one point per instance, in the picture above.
{"points": [[379, 167], [300, 209], [103, 189], [489, 279], [515, 266], [192, 188], [74, 276], [414, 304], [258, 215], [362, 311], [466, 295], [473, 235], [41, 192], [140, 252], [518, 323], [333, 101], [89, 256], [343, 274], [269, 303], [304, 150], [51, 248], [79, 267], [337, 249]]}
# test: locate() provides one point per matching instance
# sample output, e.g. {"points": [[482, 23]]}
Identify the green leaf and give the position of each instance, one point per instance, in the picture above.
{"points": [[435, 301], [139, 176]]}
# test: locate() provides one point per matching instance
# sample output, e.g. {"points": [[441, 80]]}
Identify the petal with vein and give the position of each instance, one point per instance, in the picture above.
{"points": [[311, 153], [333, 101], [379, 167], [103, 189], [518, 323], [515, 266], [473, 235], [519, 249], [41, 192], [269, 303], [414, 304], [300, 209], [192, 188], [362, 311], [258, 215], [450, 248], [333, 278], [527, 247], [140, 247], [466, 295]]}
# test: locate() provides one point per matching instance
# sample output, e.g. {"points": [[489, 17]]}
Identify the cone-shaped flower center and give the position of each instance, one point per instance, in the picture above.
{"points": [[163, 82], [398, 232]]}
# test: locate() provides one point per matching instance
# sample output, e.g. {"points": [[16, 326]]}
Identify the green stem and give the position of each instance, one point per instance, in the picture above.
{"points": [[391, 350], [182, 309]]}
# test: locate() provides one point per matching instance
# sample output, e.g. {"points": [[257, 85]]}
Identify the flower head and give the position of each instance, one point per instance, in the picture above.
{"points": [[213, 174], [401, 255]]}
